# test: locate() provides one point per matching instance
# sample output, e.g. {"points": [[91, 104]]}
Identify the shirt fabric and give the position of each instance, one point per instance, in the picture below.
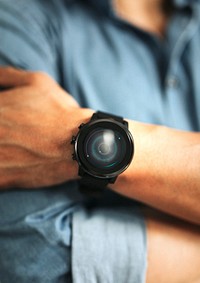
{"points": [[109, 65]]}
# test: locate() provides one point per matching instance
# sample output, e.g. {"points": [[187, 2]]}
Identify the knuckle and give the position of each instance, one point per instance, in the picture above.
{"points": [[34, 78], [38, 78]]}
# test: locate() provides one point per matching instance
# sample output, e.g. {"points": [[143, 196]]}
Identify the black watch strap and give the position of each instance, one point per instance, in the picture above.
{"points": [[92, 186], [103, 115]]}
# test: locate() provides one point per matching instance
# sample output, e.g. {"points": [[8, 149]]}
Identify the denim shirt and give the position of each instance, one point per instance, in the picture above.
{"points": [[106, 64]]}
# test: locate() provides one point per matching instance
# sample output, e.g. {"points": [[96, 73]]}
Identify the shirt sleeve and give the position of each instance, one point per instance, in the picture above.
{"points": [[29, 35]]}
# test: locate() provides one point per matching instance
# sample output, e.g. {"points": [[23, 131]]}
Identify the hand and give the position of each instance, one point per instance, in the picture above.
{"points": [[37, 120]]}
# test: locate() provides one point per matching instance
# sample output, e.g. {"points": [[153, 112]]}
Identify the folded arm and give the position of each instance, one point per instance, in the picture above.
{"points": [[37, 120], [165, 172]]}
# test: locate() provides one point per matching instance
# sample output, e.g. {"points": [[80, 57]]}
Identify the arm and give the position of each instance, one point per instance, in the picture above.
{"points": [[37, 122], [165, 171]]}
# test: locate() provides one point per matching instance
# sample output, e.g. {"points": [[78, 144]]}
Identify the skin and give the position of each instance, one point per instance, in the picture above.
{"points": [[151, 16], [37, 120]]}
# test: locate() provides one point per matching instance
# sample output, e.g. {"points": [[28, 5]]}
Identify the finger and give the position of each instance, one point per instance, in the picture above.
{"points": [[12, 96], [11, 77]]}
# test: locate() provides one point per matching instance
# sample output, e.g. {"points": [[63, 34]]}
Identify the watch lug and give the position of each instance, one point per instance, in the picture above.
{"points": [[81, 125], [125, 123], [112, 180], [94, 117], [81, 172]]}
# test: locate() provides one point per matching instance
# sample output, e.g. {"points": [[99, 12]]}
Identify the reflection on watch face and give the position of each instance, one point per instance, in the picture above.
{"points": [[104, 148]]}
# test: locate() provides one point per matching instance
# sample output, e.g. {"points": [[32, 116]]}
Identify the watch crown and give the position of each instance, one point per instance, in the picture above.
{"points": [[73, 140], [73, 156], [81, 125]]}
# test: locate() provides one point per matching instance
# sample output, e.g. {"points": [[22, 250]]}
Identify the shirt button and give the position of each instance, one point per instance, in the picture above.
{"points": [[172, 82]]}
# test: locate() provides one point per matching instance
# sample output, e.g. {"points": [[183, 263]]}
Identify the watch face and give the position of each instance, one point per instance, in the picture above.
{"points": [[104, 148]]}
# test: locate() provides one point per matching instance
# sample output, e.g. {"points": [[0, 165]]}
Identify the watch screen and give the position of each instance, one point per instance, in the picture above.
{"points": [[104, 148]]}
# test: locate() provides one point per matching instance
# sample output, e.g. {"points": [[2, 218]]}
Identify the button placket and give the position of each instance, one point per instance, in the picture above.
{"points": [[172, 81]]}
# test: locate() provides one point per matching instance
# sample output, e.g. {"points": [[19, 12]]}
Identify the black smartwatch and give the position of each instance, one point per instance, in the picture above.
{"points": [[103, 148]]}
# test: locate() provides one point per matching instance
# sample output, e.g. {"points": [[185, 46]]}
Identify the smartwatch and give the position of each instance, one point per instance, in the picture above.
{"points": [[103, 148]]}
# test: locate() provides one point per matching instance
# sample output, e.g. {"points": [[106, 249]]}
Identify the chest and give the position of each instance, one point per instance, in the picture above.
{"points": [[116, 70]]}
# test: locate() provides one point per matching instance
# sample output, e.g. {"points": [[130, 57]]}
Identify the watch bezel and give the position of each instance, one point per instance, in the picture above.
{"points": [[82, 160]]}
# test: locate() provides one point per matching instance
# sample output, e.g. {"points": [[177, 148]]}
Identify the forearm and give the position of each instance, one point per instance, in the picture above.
{"points": [[37, 121], [31, 161], [165, 171]]}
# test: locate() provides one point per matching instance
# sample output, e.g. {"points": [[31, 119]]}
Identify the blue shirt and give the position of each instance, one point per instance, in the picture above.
{"points": [[106, 64]]}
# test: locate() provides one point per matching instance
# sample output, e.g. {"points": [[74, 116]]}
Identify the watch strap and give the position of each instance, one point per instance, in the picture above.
{"points": [[92, 186], [102, 115]]}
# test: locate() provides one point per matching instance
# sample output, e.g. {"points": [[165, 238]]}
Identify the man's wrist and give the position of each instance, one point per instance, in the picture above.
{"points": [[139, 170]]}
